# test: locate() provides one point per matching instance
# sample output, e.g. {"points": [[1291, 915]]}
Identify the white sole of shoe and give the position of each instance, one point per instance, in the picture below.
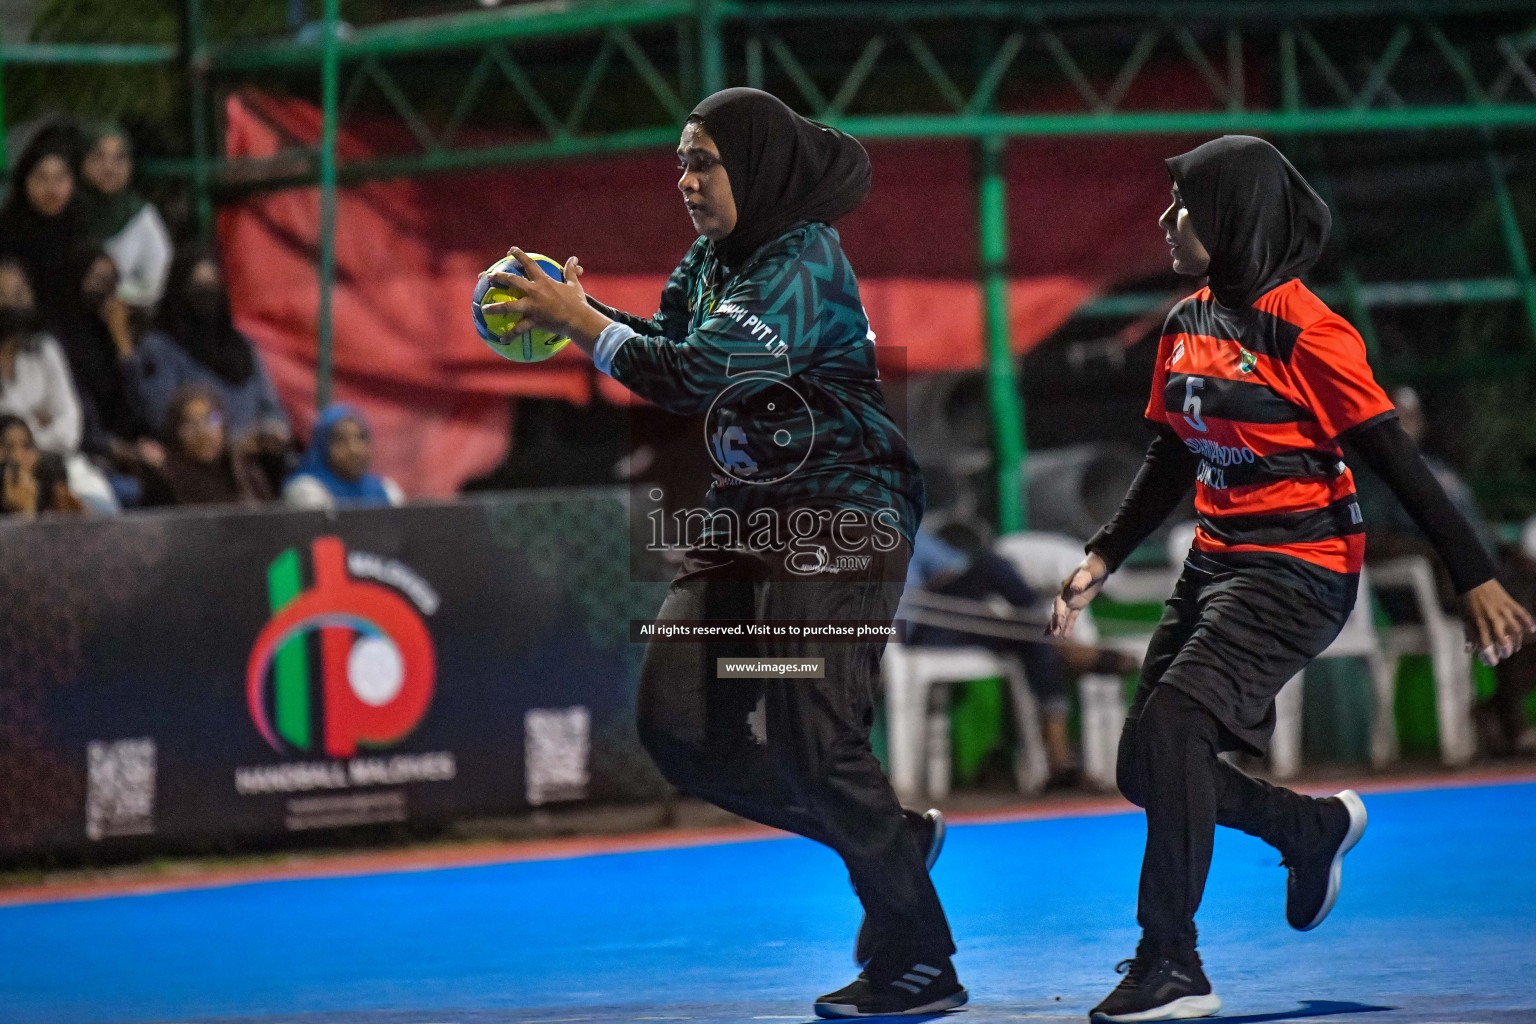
{"points": [[1183, 1008], [949, 1002], [1357, 819]]}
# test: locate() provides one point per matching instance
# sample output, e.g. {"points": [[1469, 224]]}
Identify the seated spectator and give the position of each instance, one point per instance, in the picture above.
{"points": [[34, 374], [96, 334], [35, 385], [194, 342], [30, 481], [334, 472], [119, 220], [40, 223], [201, 467], [968, 569]]}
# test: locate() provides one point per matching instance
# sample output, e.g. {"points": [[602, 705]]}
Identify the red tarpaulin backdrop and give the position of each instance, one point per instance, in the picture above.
{"points": [[1082, 214]]}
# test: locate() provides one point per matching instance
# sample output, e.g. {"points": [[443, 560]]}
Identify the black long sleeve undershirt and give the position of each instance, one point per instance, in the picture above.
{"points": [[638, 324], [1388, 450], [1169, 470], [1164, 478]]}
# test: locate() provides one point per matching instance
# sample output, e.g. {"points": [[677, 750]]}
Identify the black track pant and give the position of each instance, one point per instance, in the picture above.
{"points": [[816, 774], [1227, 642]]}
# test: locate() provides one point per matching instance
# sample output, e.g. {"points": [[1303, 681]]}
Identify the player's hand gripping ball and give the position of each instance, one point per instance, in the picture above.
{"points": [[495, 328]]}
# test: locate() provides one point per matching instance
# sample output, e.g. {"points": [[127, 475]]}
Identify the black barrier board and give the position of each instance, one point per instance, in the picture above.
{"points": [[193, 677]]}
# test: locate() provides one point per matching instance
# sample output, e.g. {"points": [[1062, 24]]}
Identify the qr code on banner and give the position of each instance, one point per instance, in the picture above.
{"points": [[558, 748], [120, 788]]}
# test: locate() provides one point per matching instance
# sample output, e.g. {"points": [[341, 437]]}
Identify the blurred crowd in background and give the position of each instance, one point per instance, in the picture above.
{"points": [[124, 382]]}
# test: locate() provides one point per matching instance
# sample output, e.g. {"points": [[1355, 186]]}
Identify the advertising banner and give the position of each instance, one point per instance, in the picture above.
{"points": [[190, 679]]}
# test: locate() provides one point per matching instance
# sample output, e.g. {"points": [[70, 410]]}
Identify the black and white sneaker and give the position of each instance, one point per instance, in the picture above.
{"points": [[914, 988], [1158, 988], [1313, 884], [928, 829]]}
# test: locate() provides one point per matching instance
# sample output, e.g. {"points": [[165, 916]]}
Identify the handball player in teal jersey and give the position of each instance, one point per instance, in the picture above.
{"points": [[810, 518]]}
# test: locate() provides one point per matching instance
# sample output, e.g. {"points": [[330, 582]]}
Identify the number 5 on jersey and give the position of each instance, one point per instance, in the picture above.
{"points": [[1192, 402]]}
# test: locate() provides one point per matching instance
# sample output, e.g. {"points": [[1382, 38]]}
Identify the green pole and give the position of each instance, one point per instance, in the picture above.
{"points": [[329, 86], [5, 157], [711, 49], [195, 55], [1002, 385], [1519, 260]]}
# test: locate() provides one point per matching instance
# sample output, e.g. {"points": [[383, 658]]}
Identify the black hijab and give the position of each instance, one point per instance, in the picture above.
{"points": [[92, 356], [1255, 214], [200, 321], [785, 170], [43, 245]]}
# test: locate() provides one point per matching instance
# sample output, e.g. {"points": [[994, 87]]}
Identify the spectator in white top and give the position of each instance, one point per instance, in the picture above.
{"points": [[120, 220], [35, 386], [334, 472], [34, 375]]}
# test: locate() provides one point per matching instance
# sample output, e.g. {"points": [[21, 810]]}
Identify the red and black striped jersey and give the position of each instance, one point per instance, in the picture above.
{"points": [[1261, 395]]}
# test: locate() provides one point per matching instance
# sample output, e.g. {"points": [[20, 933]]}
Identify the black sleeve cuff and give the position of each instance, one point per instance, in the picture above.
{"points": [[638, 324]]}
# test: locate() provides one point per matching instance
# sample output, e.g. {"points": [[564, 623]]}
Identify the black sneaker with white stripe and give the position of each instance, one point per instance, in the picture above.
{"points": [[925, 987], [1158, 987], [928, 830], [1312, 887]]}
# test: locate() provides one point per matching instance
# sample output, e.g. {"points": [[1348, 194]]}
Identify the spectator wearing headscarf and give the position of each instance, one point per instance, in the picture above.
{"points": [[334, 472], [40, 222], [30, 481], [195, 342], [35, 381], [115, 217], [35, 386], [96, 335], [201, 466]]}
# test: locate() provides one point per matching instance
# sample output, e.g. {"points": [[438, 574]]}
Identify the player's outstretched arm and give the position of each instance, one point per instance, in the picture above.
{"points": [[1166, 475], [1496, 623]]}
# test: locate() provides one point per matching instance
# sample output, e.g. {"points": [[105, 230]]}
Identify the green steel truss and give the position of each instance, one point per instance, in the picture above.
{"points": [[569, 79], [905, 70]]}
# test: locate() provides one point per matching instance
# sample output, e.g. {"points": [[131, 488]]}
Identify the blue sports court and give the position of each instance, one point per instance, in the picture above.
{"points": [[1437, 923]]}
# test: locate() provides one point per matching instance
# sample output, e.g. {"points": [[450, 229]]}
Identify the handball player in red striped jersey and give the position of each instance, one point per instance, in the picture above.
{"points": [[1256, 382]]}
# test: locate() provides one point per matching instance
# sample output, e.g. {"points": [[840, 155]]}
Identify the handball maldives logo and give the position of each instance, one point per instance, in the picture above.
{"points": [[375, 656]]}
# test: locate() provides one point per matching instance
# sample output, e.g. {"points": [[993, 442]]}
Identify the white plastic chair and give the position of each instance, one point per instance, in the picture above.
{"points": [[1358, 639], [1442, 638], [1044, 560], [918, 727]]}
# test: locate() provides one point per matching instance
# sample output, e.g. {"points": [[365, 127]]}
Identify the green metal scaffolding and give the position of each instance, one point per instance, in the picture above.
{"points": [[1269, 68]]}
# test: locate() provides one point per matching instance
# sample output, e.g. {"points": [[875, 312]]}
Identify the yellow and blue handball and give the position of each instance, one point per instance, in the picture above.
{"points": [[495, 328]]}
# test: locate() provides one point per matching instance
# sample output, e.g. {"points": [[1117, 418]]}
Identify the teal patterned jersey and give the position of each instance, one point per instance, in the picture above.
{"points": [[780, 359]]}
